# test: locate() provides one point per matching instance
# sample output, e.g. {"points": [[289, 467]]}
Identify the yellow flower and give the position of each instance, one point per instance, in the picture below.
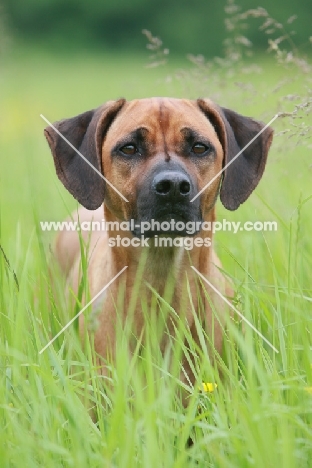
{"points": [[209, 387]]}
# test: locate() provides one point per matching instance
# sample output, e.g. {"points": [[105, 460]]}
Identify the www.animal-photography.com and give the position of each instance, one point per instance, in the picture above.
{"points": [[155, 246]]}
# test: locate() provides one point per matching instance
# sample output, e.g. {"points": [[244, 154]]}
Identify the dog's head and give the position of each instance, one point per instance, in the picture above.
{"points": [[159, 153]]}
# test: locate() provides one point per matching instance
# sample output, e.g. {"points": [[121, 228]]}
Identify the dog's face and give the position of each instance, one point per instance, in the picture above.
{"points": [[159, 153]]}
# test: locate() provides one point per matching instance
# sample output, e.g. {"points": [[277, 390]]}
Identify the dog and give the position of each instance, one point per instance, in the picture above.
{"points": [[156, 156]]}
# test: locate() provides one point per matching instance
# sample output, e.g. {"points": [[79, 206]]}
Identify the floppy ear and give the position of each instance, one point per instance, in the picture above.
{"points": [[85, 132], [235, 132]]}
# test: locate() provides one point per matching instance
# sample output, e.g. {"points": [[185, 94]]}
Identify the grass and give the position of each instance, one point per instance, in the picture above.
{"points": [[260, 413]]}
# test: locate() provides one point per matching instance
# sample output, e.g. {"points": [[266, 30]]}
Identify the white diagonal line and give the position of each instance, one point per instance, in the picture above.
{"points": [[235, 310], [83, 157], [82, 310], [235, 157]]}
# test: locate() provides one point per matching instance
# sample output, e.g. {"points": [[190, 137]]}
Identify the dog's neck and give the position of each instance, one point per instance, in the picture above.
{"points": [[159, 263]]}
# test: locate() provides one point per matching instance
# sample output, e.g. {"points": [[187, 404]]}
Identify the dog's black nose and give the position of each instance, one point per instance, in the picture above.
{"points": [[172, 184]]}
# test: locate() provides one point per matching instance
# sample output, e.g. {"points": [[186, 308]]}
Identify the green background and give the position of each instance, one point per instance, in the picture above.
{"points": [[185, 26], [62, 58]]}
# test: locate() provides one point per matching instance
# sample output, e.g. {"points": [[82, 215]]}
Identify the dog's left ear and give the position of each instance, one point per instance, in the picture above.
{"points": [[235, 132]]}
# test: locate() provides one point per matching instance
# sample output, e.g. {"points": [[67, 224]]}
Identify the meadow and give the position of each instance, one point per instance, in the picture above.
{"points": [[260, 413]]}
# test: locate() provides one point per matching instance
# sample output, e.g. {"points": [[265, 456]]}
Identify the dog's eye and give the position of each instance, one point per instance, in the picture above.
{"points": [[129, 150], [199, 148]]}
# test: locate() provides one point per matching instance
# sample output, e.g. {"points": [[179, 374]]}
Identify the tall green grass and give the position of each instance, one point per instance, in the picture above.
{"points": [[260, 412]]}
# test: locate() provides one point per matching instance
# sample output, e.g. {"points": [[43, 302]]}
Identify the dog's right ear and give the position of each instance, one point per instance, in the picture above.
{"points": [[85, 132]]}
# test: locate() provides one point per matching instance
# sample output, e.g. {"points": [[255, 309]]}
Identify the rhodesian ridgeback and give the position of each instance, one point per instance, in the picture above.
{"points": [[158, 153]]}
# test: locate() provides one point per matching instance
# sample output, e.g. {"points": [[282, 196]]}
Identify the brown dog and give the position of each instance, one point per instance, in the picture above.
{"points": [[158, 153]]}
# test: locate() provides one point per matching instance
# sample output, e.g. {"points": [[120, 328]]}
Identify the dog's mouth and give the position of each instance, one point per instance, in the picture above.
{"points": [[170, 225]]}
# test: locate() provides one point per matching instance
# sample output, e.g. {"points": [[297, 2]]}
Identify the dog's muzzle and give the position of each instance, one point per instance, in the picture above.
{"points": [[165, 197]]}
